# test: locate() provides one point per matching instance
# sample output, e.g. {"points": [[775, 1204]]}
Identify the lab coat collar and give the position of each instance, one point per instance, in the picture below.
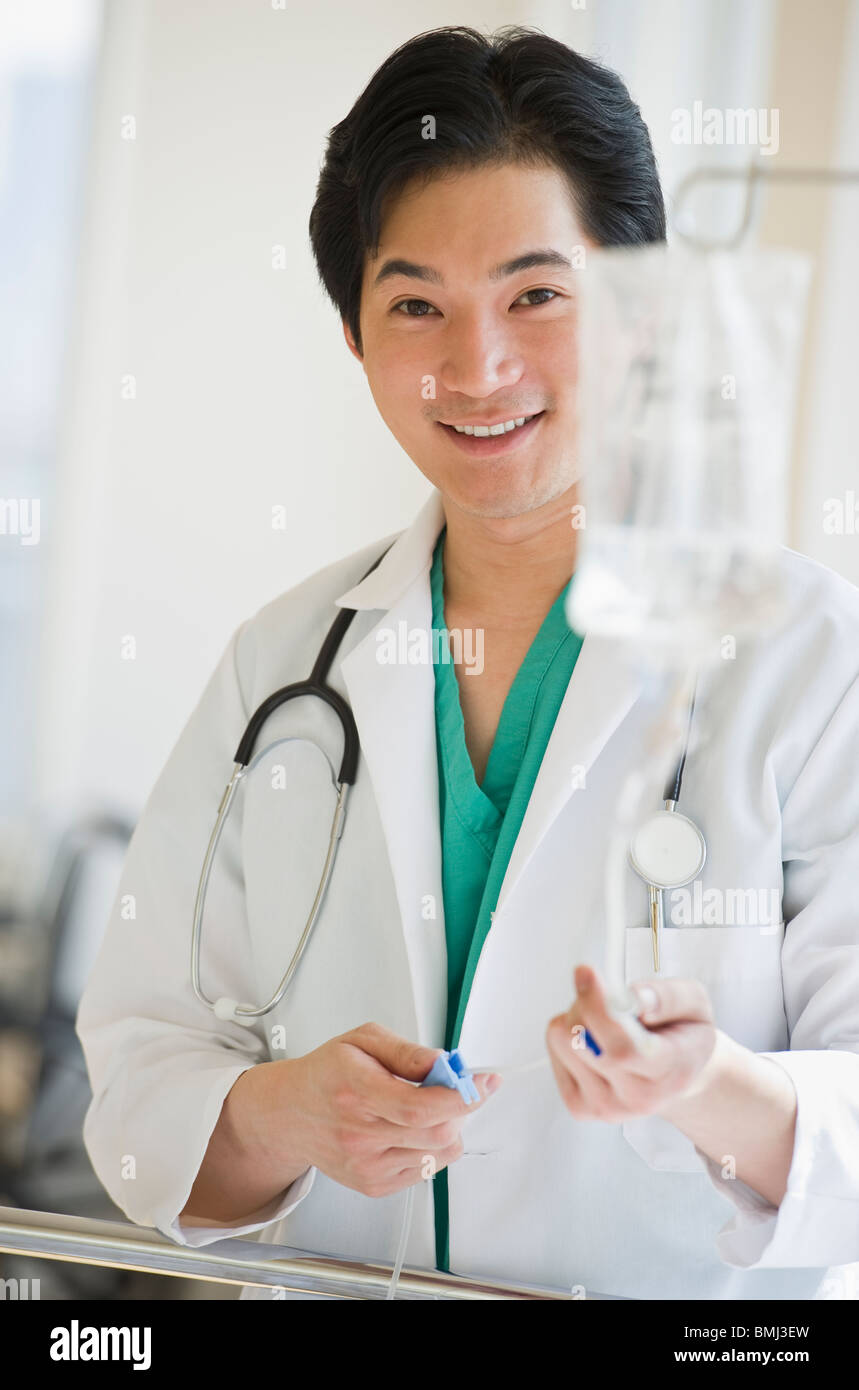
{"points": [[410, 554]]}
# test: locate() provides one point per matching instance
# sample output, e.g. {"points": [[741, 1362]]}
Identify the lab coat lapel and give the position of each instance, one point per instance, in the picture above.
{"points": [[603, 688], [394, 708]]}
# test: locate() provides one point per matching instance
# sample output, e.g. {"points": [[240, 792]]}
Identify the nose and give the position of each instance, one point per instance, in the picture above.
{"points": [[479, 359]]}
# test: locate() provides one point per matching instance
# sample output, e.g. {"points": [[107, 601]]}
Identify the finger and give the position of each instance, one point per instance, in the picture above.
{"points": [[667, 1001], [397, 1055], [417, 1107], [598, 1100], [568, 1085], [425, 1164], [578, 1061], [591, 1007], [564, 1040], [382, 1134], [413, 1173], [587, 1093]]}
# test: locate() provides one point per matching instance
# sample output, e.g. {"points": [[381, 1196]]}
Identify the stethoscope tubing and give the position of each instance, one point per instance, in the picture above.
{"points": [[317, 688]]}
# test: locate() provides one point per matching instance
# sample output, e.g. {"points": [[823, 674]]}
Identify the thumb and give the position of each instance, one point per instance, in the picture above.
{"points": [[398, 1055]]}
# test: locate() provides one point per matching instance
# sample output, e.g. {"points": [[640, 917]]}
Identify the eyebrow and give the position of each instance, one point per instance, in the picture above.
{"points": [[530, 260]]}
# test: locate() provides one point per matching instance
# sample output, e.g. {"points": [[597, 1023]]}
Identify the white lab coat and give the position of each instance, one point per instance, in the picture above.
{"points": [[540, 1197]]}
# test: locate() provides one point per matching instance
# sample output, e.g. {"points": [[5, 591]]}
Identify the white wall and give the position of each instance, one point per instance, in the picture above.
{"points": [[830, 454]]}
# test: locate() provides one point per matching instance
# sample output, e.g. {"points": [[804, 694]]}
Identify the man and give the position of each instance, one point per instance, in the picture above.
{"points": [[455, 200]]}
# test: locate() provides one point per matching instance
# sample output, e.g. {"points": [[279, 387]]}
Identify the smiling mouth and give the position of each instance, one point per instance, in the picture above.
{"points": [[478, 440], [501, 427]]}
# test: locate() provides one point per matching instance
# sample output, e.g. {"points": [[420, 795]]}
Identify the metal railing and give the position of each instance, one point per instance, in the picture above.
{"points": [[120, 1245]]}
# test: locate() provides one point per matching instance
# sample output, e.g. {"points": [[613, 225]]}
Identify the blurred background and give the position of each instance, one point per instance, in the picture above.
{"points": [[170, 373]]}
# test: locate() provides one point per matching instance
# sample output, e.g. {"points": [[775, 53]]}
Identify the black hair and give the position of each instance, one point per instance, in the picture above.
{"points": [[516, 96]]}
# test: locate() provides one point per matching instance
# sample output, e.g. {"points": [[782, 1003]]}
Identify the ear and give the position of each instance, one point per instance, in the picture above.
{"points": [[350, 342]]}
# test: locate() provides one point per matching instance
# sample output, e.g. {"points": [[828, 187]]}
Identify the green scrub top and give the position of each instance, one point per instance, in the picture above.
{"points": [[480, 824]]}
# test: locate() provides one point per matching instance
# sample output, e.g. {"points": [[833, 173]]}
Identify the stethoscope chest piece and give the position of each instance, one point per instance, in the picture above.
{"points": [[668, 850]]}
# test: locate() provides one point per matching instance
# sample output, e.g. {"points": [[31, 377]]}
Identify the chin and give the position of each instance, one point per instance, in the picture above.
{"points": [[508, 496]]}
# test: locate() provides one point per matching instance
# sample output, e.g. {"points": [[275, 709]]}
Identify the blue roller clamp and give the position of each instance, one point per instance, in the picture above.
{"points": [[450, 1070]]}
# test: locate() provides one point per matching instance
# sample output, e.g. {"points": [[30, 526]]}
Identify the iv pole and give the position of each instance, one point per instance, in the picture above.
{"points": [[753, 175]]}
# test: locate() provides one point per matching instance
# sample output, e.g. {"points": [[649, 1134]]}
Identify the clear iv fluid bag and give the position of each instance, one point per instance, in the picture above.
{"points": [[687, 367]]}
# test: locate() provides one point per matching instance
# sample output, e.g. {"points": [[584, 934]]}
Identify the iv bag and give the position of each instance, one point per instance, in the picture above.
{"points": [[687, 367]]}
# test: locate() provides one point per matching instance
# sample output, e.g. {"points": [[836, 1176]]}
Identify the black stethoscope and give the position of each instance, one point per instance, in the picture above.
{"points": [[667, 851], [315, 685]]}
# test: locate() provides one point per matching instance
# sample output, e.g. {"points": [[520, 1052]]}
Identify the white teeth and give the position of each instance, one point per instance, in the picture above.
{"points": [[483, 431]]}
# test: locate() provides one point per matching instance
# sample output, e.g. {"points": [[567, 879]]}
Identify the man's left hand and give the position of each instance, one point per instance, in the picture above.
{"points": [[621, 1083]]}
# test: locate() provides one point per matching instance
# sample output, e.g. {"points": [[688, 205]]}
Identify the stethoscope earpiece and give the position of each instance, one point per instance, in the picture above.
{"points": [[226, 1010]]}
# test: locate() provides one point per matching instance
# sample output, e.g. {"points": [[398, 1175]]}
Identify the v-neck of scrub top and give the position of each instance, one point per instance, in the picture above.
{"points": [[480, 823]]}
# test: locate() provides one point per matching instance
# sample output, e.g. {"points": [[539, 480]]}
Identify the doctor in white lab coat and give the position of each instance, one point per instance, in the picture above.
{"points": [[623, 1208], [552, 1188]]}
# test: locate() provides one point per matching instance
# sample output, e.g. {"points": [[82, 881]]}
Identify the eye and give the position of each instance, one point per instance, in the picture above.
{"points": [[421, 310], [544, 291]]}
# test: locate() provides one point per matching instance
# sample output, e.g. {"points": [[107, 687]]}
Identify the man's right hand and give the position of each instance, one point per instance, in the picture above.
{"points": [[348, 1110]]}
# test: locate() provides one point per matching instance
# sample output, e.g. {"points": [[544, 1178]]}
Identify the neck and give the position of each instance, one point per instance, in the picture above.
{"points": [[509, 570]]}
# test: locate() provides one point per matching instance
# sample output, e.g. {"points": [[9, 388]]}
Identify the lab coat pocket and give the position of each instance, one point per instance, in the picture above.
{"points": [[740, 967]]}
